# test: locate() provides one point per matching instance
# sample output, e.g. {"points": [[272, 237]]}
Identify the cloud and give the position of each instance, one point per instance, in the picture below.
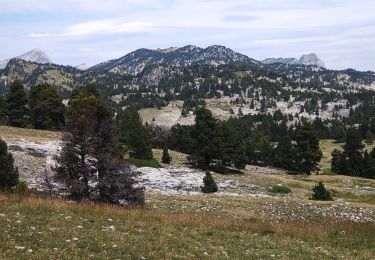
{"points": [[267, 5], [87, 50], [76, 6], [99, 27], [240, 18], [259, 29]]}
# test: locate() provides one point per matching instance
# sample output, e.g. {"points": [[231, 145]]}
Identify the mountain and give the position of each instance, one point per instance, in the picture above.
{"points": [[152, 78], [311, 59], [36, 55], [31, 73], [83, 66], [135, 62], [280, 60]]}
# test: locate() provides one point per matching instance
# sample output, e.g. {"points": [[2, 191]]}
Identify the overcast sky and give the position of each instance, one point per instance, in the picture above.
{"points": [[341, 32]]}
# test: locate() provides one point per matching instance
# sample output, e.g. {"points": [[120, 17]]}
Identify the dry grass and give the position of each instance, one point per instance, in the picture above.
{"points": [[177, 158], [29, 134], [55, 229]]}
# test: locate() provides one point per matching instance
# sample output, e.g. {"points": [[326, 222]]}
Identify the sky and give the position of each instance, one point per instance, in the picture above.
{"points": [[71, 32]]}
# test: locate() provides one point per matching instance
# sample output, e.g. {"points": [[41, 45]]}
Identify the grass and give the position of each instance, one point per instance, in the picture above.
{"points": [[29, 134], [327, 147], [55, 229], [153, 163], [177, 158]]}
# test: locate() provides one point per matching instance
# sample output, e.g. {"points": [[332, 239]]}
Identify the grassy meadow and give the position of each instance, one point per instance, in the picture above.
{"points": [[35, 228]]}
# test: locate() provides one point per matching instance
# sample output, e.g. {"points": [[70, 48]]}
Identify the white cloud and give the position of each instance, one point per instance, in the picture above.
{"points": [[259, 29], [16, 6], [87, 50], [99, 27]]}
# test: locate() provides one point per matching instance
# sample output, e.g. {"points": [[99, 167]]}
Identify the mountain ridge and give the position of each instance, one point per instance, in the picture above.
{"points": [[36, 55], [311, 59], [134, 62]]}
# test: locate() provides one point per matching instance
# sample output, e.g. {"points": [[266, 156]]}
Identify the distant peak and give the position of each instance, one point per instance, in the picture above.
{"points": [[36, 55], [310, 59], [82, 66], [37, 50]]}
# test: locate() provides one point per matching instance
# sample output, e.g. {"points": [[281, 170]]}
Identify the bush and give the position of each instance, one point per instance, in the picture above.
{"points": [[320, 192], [281, 189], [209, 184], [8, 171]]}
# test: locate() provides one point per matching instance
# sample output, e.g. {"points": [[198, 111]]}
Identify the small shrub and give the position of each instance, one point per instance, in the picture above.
{"points": [[320, 192], [281, 189], [209, 184]]}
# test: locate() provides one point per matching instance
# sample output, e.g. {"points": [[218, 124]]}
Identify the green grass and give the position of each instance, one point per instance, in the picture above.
{"points": [[153, 163], [55, 229]]}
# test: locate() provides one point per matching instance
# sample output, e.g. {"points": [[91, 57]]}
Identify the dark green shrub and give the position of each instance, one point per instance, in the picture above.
{"points": [[166, 157], [8, 171], [209, 184], [320, 192]]}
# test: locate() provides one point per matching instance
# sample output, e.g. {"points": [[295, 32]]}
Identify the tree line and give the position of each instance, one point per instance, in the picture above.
{"points": [[41, 107], [217, 144]]}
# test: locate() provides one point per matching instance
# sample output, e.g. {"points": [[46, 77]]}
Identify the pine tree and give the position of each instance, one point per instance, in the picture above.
{"points": [[252, 105], [232, 150], [76, 165], [338, 132], [336, 162], [369, 137], [3, 111], [47, 110], [207, 144], [17, 105], [308, 150], [209, 184], [8, 172], [90, 153], [285, 155], [352, 158], [320, 192], [368, 170], [134, 136], [263, 105], [166, 158]]}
